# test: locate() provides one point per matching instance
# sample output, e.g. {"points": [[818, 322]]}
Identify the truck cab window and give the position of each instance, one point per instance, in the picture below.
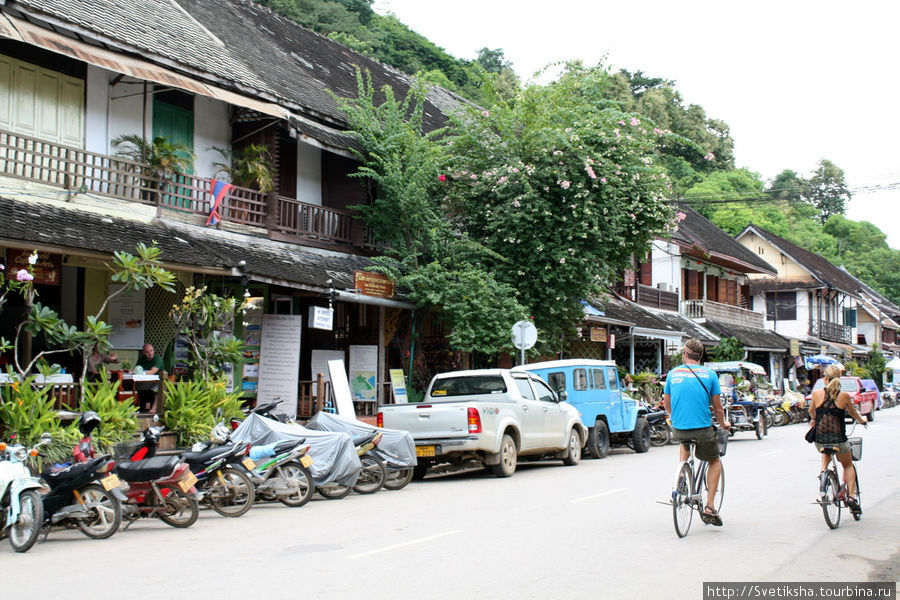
{"points": [[579, 379], [598, 381], [525, 388]]}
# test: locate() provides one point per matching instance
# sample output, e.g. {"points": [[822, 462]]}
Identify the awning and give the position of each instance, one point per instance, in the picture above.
{"points": [[671, 338]]}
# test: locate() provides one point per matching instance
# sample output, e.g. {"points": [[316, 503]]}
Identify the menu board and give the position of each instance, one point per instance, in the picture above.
{"points": [[126, 316], [279, 361], [363, 371]]}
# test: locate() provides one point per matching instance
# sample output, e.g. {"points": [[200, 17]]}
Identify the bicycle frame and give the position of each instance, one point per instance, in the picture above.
{"points": [[692, 495], [833, 495]]}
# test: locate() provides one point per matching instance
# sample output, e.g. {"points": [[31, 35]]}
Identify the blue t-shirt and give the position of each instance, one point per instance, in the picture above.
{"points": [[689, 401]]}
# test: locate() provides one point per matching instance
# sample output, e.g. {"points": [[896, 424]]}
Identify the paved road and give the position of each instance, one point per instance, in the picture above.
{"points": [[590, 531]]}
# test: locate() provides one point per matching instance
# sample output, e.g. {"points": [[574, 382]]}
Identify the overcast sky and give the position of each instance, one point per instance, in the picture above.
{"points": [[797, 81]]}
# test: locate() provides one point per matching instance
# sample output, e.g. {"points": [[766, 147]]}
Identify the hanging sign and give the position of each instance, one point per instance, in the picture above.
{"points": [[47, 270], [598, 334], [373, 284]]}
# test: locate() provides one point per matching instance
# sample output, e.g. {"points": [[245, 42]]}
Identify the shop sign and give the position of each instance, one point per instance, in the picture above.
{"points": [[46, 271], [598, 334], [321, 317], [795, 347], [373, 284]]}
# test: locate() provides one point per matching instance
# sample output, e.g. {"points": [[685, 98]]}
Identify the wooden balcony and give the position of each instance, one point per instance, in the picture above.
{"points": [[723, 313], [649, 296], [81, 172], [832, 332]]}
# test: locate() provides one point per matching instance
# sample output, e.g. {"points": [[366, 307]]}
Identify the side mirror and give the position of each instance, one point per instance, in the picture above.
{"points": [[563, 395]]}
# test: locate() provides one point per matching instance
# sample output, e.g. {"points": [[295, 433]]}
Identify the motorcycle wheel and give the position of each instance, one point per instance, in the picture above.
{"points": [[232, 494], [660, 434], [334, 491], [24, 532], [180, 510], [105, 510], [398, 479], [293, 471], [371, 477]]}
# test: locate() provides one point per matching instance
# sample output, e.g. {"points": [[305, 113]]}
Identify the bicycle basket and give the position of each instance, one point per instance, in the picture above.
{"points": [[122, 451], [855, 447]]}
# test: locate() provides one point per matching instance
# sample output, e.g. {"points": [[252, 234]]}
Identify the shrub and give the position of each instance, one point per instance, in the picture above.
{"points": [[193, 407]]}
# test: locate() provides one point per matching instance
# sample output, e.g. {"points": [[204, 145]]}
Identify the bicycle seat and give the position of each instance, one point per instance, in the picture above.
{"points": [[829, 450]]}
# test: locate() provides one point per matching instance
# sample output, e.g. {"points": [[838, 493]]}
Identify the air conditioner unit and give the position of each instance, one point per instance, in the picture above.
{"points": [[665, 286]]}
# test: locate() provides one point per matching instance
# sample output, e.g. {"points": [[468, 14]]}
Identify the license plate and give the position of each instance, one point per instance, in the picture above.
{"points": [[187, 482], [249, 464], [111, 482], [424, 450], [306, 460]]}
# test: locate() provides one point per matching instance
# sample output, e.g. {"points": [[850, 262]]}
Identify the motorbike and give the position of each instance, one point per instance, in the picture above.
{"points": [[745, 414], [661, 432], [372, 475], [280, 472], [20, 499], [159, 486], [86, 493], [225, 487]]}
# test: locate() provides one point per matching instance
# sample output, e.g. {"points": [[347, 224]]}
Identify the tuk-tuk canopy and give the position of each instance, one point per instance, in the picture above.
{"points": [[736, 366]]}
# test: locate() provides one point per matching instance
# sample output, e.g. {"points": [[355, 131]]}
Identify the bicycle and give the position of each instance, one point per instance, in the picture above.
{"points": [[832, 494], [691, 490]]}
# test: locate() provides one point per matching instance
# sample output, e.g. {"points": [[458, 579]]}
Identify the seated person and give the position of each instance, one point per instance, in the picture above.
{"points": [[96, 360], [152, 364]]}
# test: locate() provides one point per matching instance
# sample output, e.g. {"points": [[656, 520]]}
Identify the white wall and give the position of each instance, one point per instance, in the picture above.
{"points": [[211, 128], [798, 328], [309, 174], [96, 136]]}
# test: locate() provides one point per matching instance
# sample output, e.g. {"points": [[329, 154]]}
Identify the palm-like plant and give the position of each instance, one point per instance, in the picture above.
{"points": [[164, 159], [251, 165]]}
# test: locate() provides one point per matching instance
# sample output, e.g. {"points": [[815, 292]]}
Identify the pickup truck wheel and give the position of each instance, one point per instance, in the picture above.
{"points": [[574, 455], [598, 440], [508, 457], [640, 437], [419, 472], [871, 415]]}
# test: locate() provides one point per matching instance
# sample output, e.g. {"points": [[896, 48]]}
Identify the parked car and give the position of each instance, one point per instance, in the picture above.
{"points": [[871, 386], [863, 399], [489, 415], [593, 387]]}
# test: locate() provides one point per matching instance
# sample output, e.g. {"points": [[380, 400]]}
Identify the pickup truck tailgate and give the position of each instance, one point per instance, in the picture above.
{"points": [[429, 419]]}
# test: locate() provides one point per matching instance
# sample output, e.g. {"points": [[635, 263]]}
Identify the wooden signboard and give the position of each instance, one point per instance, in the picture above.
{"points": [[47, 270], [373, 284]]}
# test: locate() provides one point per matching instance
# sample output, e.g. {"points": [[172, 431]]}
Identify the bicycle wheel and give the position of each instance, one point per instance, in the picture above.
{"points": [[828, 498], [720, 491], [682, 510]]}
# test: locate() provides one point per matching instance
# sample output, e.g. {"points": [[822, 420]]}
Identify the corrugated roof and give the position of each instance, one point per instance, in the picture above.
{"points": [[752, 338]]}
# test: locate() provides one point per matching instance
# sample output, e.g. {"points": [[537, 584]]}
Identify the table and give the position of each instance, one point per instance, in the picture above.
{"points": [[130, 394]]}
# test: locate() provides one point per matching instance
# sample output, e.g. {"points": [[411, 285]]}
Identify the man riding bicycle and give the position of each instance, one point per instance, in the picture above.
{"points": [[690, 387]]}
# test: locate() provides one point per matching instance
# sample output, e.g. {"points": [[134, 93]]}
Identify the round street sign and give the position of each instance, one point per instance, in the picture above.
{"points": [[524, 335]]}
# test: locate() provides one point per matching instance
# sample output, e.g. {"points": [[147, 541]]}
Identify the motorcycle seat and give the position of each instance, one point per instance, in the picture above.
{"points": [[148, 469], [364, 438], [54, 477], [287, 445], [206, 456]]}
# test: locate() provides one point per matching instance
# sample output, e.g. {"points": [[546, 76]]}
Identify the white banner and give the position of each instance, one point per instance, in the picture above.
{"points": [[279, 361]]}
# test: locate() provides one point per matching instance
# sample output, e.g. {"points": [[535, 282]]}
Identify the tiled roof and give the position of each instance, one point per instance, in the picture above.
{"points": [[697, 230], [236, 44], [822, 270], [752, 338]]}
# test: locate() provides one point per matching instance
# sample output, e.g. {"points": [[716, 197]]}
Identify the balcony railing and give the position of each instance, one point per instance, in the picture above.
{"points": [[80, 171], [649, 296], [833, 332], [724, 313]]}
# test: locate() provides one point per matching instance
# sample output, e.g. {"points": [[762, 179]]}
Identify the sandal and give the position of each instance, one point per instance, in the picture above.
{"points": [[709, 516], [854, 505]]}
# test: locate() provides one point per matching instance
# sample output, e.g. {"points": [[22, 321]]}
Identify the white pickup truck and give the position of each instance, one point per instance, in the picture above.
{"points": [[491, 415]]}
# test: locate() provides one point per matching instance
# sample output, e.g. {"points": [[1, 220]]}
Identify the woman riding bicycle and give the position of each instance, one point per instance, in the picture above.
{"points": [[830, 404]]}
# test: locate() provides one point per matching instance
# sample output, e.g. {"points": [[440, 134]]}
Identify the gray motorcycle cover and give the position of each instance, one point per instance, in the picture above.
{"points": [[396, 448], [333, 453]]}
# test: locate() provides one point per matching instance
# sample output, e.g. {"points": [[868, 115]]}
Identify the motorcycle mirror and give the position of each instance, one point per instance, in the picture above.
{"points": [[156, 418]]}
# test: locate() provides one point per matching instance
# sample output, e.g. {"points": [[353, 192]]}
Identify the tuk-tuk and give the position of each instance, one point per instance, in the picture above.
{"points": [[745, 395]]}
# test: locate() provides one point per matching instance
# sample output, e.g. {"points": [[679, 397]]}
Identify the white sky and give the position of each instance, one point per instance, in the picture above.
{"points": [[796, 80]]}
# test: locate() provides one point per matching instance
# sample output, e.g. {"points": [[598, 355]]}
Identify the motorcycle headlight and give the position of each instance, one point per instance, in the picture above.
{"points": [[21, 454]]}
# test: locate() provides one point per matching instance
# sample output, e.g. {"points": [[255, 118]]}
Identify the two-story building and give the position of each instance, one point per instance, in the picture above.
{"points": [[209, 75]]}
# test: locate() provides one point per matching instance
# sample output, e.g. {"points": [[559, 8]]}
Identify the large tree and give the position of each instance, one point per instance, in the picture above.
{"points": [[827, 191]]}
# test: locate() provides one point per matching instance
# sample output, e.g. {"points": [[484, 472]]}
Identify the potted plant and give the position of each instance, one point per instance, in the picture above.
{"points": [[250, 166], [163, 159]]}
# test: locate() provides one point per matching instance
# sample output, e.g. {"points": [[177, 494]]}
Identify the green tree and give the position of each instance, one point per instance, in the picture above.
{"points": [[827, 191], [202, 317], [729, 348]]}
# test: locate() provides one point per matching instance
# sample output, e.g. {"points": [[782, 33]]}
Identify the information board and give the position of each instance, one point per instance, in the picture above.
{"points": [[126, 317], [279, 361]]}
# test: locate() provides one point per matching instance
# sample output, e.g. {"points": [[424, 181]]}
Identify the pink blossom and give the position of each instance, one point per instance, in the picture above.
{"points": [[565, 184], [473, 176], [442, 177], [485, 113], [502, 180], [603, 180], [516, 203], [635, 122], [658, 131], [680, 216], [710, 156], [2, 267], [590, 172], [562, 261], [23, 275]]}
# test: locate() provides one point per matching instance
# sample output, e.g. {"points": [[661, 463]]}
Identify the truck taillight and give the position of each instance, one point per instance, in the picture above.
{"points": [[379, 420], [474, 420]]}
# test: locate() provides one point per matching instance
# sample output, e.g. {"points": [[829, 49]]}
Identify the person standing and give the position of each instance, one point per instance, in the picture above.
{"points": [[152, 364], [827, 410], [690, 387]]}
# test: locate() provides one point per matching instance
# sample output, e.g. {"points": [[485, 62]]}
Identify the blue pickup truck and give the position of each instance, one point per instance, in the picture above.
{"points": [[593, 387]]}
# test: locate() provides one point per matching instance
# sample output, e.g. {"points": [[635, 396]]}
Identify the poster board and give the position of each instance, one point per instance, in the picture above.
{"points": [[279, 361], [126, 317], [364, 373], [340, 387], [319, 364], [398, 386], [252, 335]]}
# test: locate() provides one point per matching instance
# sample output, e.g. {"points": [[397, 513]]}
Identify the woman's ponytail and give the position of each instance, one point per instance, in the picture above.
{"points": [[833, 373]]}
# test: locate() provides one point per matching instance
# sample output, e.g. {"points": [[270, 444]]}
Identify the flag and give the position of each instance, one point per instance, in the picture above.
{"points": [[219, 189]]}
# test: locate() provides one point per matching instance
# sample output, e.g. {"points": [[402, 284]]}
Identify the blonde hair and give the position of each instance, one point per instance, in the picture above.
{"points": [[833, 373]]}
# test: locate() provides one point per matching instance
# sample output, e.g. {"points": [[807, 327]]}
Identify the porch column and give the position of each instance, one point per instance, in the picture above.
{"points": [[631, 355], [379, 378]]}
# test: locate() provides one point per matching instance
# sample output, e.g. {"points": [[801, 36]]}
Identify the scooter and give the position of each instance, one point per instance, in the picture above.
{"points": [[372, 475], [226, 487], [19, 497], [160, 486], [85, 494], [280, 472], [661, 433]]}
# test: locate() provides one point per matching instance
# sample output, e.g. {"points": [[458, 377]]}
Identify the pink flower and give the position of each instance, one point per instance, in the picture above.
{"points": [[516, 203], [590, 172], [680, 216], [442, 177], [485, 113], [23, 275], [635, 122], [502, 180], [565, 184], [562, 261], [603, 180], [710, 156], [2, 267]]}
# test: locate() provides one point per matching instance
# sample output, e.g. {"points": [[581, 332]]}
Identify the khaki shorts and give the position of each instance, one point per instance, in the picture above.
{"points": [[707, 444], [843, 447]]}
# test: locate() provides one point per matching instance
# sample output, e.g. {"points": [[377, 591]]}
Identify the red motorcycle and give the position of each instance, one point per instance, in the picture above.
{"points": [[161, 486]]}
